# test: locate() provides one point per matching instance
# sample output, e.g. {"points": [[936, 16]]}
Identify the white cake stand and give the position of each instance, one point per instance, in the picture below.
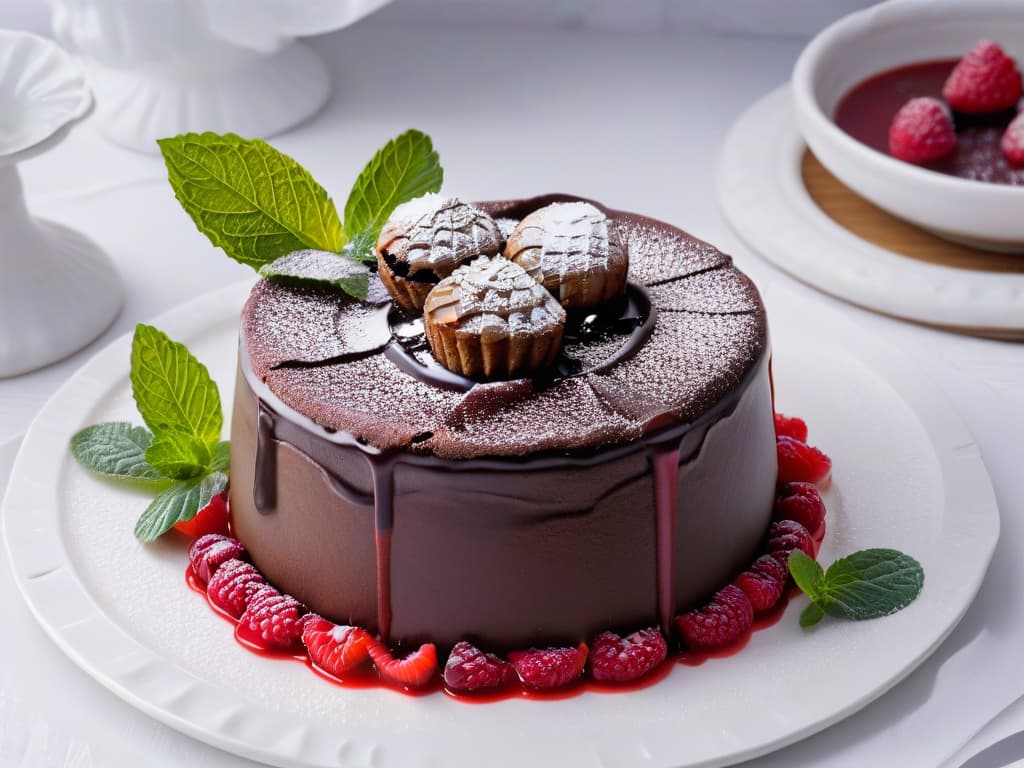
{"points": [[165, 67], [58, 291]]}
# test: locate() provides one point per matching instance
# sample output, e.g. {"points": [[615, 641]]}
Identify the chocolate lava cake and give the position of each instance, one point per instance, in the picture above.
{"points": [[618, 484]]}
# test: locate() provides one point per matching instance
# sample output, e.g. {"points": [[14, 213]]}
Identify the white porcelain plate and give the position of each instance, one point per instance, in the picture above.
{"points": [[907, 475], [762, 195]]}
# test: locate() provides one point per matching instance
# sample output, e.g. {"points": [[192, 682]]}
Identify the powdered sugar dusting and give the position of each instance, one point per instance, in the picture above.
{"points": [[657, 253], [716, 291]]}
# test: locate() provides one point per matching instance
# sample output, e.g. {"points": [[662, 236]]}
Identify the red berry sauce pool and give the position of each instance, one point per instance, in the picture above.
{"points": [[867, 110]]}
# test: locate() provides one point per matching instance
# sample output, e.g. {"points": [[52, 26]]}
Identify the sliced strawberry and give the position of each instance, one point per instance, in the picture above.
{"points": [[985, 80], [335, 648], [624, 659], [469, 669], [922, 131], [790, 426], [548, 668], [233, 585], [415, 670], [213, 518], [802, 463], [722, 622]]}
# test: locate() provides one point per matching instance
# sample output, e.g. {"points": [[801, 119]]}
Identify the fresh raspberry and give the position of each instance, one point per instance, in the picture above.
{"points": [[335, 648], [723, 621], [623, 659], [922, 131], [470, 669], [232, 585], [209, 552], [985, 80], [802, 463], [800, 502], [784, 536], [272, 620], [1013, 140], [763, 583], [213, 518], [414, 671], [547, 668], [791, 426]]}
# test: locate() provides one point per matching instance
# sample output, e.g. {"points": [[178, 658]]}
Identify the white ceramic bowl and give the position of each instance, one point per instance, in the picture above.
{"points": [[888, 35]]}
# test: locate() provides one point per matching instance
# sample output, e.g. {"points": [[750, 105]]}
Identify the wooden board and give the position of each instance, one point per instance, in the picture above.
{"points": [[869, 222]]}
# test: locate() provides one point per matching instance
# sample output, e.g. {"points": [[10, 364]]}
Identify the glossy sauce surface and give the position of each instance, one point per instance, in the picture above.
{"points": [[867, 111]]}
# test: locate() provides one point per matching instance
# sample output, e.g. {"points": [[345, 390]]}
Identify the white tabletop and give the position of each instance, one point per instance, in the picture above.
{"points": [[632, 119]]}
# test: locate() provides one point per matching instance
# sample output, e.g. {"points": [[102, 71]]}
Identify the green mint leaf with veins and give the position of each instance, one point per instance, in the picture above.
{"points": [[322, 267], [252, 201], [865, 585], [221, 459], [117, 449], [173, 390], [179, 503], [178, 455], [405, 168]]}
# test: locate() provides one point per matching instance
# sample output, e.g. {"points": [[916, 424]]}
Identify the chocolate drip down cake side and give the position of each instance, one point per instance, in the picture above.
{"points": [[550, 419]]}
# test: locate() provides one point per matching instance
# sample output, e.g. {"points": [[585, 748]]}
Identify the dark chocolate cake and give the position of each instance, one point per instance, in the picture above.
{"points": [[616, 488]]}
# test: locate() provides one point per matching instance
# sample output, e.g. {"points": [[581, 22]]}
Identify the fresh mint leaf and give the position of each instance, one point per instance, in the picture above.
{"points": [[811, 615], [117, 449], [807, 574], [221, 456], [865, 585], [405, 168], [250, 200], [871, 583], [173, 390], [309, 266], [178, 455], [362, 247], [178, 503]]}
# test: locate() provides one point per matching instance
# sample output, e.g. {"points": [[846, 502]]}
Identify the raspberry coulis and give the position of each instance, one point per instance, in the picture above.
{"points": [[367, 677], [867, 110]]}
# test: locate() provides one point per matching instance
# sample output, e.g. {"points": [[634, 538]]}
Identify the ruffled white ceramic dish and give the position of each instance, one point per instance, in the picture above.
{"points": [[888, 35], [164, 67], [58, 290]]}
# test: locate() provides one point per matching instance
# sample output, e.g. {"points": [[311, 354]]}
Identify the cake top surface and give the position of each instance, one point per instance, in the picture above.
{"points": [[693, 328]]}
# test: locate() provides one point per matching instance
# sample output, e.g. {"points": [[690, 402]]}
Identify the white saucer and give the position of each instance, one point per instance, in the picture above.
{"points": [[909, 477], [762, 195]]}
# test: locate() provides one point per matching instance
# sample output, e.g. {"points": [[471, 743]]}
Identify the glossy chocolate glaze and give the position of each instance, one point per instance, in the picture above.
{"points": [[450, 520]]}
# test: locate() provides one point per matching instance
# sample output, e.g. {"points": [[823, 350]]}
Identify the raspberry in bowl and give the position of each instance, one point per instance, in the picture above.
{"points": [[877, 93]]}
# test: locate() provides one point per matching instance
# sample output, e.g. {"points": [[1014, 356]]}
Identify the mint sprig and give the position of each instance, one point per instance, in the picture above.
{"points": [[405, 168], [181, 450], [251, 200], [261, 207], [865, 585]]}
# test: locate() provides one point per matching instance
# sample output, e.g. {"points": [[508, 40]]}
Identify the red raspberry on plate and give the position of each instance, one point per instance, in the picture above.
{"points": [[232, 585], [985, 80], [209, 552], [414, 671], [469, 669], [791, 426], [800, 502], [618, 659], [763, 583], [1013, 140], [548, 668], [335, 648], [922, 131], [801, 463], [786, 535], [213, 518], [272, 620], [722, 622]]}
